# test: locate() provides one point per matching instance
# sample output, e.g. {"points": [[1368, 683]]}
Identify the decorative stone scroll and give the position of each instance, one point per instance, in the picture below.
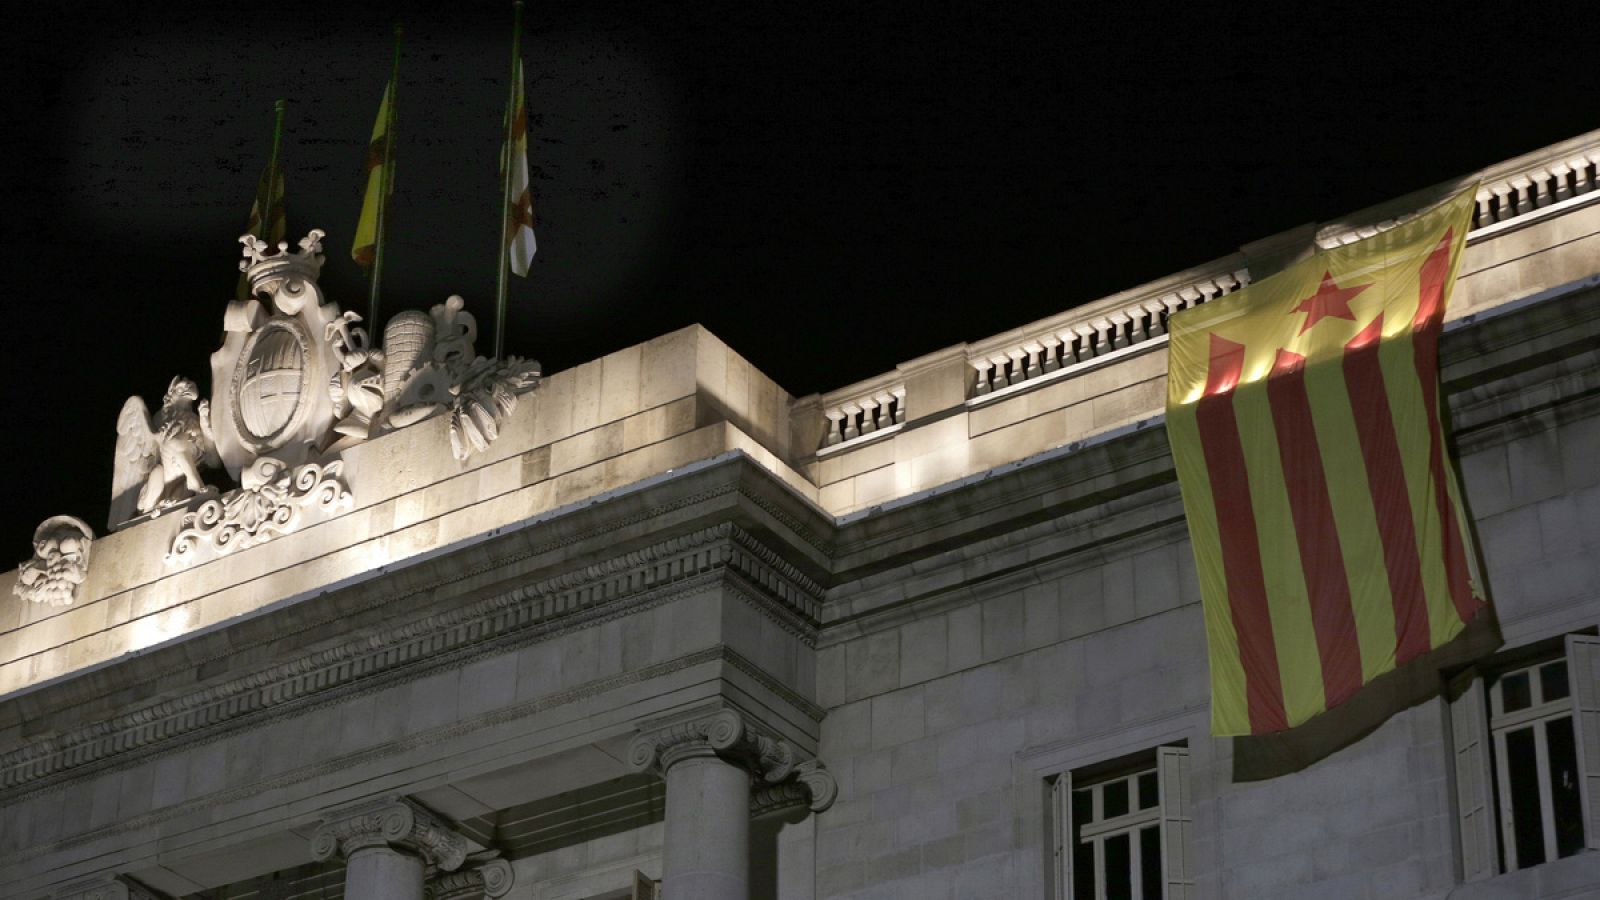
{"points": [[722, 733], [392, 822], [812, 787], [272, 500], [60, 562], [491, 878]]}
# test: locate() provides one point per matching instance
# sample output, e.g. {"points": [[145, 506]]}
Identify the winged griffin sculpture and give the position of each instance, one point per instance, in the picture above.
{"points": [[160, 455]]}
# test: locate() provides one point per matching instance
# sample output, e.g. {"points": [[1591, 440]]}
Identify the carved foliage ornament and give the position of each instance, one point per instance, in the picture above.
{"points": [[393, 822], [271, 500], [60, 562]]}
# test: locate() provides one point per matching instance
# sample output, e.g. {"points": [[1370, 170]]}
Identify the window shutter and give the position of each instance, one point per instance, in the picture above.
{"points": [[1469, 730], [1583, 668], [1061, 818], [1172, 770]]}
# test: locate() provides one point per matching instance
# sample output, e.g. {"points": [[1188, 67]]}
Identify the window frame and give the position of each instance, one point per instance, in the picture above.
{"points": [[1170, 816], [1537, 715], [1477, 725]]}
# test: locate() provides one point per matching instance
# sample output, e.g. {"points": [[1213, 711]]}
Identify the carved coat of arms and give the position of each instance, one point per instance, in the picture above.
{"points": [[295, 382]]}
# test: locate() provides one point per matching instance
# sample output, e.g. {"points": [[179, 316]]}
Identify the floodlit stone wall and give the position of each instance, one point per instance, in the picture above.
{"points": [[899, 613]]}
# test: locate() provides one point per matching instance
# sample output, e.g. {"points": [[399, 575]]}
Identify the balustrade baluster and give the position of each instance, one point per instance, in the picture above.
{"points": [[835, 427], [851, 411]]}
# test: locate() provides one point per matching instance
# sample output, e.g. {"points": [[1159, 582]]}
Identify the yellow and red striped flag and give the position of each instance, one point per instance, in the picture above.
{"points": [[1328, 531], [365, 249], [519, 202]]}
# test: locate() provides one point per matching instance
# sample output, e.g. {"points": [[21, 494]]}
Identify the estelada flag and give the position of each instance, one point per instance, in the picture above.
{"points": [[1305, 423], [519, 209], [365, 248]]}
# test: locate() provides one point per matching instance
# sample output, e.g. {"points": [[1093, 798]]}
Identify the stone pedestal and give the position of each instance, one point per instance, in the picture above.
{"points": [[388, 846]]}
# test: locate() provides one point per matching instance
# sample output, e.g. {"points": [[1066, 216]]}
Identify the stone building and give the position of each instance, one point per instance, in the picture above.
{"points": [[459, 632]]}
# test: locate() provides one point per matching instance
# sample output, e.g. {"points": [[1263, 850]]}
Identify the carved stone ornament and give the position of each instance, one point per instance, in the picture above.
{"points": [[271, 500], [159, 457], [492, 878], [392, 822], [268, 380], [60, 563], [296, 380], [812, 787], [722, 733]]}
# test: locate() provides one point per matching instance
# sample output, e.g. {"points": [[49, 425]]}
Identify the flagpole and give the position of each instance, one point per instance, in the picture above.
{"points": [[503, 279], [386, 187], [272, 169]]}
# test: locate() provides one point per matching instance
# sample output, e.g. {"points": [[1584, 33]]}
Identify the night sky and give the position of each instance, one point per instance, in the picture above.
{"points": [[830, 188]]}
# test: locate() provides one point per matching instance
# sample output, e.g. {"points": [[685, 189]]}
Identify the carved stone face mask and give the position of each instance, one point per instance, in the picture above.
{"points": [[60, 562]]}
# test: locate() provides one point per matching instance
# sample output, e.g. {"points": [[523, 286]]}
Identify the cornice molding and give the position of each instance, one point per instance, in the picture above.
{"points": [[585, 597], [390, 822]]}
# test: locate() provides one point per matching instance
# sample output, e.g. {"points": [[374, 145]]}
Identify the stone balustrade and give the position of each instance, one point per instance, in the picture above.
{"points": [[1549, 183], [1095, 333], [863, 413], [1081, 339], [1510, 191]]}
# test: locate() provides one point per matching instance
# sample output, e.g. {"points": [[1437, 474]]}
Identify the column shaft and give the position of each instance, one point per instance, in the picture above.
{"points": [[383, 873], [707, 852]]}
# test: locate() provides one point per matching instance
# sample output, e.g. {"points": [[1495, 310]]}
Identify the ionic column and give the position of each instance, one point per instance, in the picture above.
{"points": [[387, 846], [790, 807], [708, 761]]}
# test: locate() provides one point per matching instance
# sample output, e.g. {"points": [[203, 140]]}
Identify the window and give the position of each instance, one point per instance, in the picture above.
{"points": [[1122, 833], [1527, 760]]}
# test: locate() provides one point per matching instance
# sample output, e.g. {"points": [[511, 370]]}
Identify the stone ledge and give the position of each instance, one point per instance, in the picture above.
{"points": [[536, 611]]}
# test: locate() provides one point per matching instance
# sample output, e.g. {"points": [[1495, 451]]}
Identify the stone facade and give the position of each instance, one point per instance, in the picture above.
{"points": [[673, 625]]}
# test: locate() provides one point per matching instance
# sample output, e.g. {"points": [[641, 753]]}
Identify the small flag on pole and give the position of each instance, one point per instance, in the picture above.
{"points": [[378, 162], [516, 203], [519, 211], [267, 220], [1304, 415]]}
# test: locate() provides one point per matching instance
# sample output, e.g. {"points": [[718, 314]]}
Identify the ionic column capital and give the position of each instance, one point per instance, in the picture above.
{"points": [[491, 879], [722, 733], [811, 786], [391, 822]]}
